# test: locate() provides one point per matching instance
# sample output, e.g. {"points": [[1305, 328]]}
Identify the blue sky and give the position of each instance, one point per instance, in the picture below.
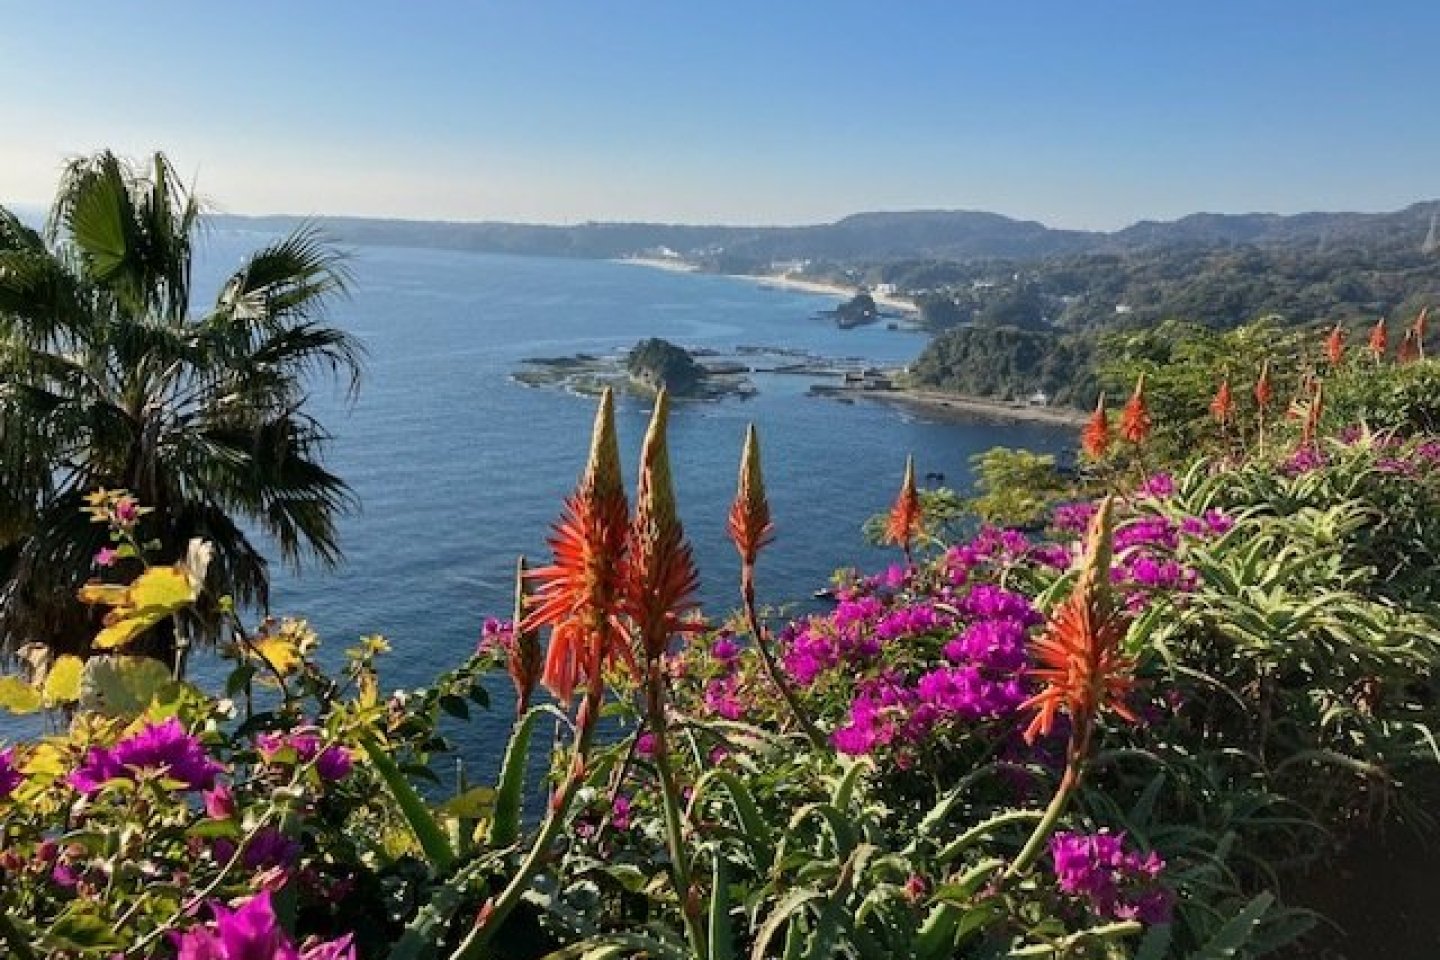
{"points": [[1080, 114]]}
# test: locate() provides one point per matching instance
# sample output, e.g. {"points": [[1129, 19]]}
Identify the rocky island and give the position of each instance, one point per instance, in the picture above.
{"points": [[643, 370]]}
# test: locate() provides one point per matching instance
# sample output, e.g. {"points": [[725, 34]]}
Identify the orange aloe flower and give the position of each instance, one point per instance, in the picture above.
{"points": [[660, 576], [1335, 346], [1095, 438], [578, 595], [1078, 657], [1379, 340], [1264, 393], [907, 519], [1135, 419], [1409, 350], [1223, 406], [750, 525], [1419, 330], [1313, 412]]}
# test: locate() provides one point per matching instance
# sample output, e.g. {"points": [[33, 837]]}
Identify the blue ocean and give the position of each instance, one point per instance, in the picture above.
{"points": [[458, 468]]}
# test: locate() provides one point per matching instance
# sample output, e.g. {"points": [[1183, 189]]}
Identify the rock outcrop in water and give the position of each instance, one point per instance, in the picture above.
{"points": [[656, 363]]}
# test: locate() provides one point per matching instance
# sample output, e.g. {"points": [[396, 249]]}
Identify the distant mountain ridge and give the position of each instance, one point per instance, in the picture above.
{"points": [[880, 236]]}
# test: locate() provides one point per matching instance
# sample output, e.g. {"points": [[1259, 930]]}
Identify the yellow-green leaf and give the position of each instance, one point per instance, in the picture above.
{"points": [[17, 696], [156, 594], [62, 683], [473, 804], [280, 651]]}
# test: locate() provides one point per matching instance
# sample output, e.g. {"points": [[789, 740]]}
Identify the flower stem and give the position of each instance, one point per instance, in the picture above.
{"points": [[1079, 750], [1031, 851], [493, 914], [772, 669], [674, 826]]}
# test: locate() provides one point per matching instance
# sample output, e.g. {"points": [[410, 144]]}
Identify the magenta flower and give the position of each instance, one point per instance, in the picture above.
{"points": [[725, 649], [1073, 517], [127, 510], [106, 557], [334, 763], [1158, 485], [219, 803], [302, 746], [1115, 883], [252, 932], [620, 813], [722, 700], [645, 745], [10, 778], [163, 748]]}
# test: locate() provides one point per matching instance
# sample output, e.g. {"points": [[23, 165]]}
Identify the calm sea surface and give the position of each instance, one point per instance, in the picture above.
{"points": [[458, 468]]}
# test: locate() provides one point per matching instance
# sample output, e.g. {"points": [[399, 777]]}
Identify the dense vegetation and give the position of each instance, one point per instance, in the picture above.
{"points": [[1116, 735], [1113, 714], [1009, 363], [109, 379]]}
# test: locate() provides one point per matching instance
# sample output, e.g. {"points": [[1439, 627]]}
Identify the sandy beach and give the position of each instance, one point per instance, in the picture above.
{"points": [[782, 280], [789, 282], [659, 263], [937, 401]]}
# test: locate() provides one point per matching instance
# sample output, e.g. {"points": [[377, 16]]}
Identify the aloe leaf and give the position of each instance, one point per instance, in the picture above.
{"points": [[510, 791], [417, 814], [721, 937], [789, 905]]}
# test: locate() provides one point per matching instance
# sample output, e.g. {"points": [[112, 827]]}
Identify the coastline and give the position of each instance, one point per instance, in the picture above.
{"points": [[782, 280], [788, 282], [935, 401]]}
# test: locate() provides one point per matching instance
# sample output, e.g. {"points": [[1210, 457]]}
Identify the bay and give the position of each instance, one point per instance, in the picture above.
{"points": [[458, 468]]}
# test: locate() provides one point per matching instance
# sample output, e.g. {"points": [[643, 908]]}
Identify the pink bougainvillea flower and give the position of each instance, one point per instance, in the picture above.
{"points": [[10, 778], [163, 748], [252, 932]]}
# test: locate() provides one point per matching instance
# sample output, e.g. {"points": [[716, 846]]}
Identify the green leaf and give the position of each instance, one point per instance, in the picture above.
{"points": [[510, 791], [121, 686], [754, 828], [720, 935], [789, 905], [455, 706], [1237, 931], [432, 838], [423, 934], [79, 930]]}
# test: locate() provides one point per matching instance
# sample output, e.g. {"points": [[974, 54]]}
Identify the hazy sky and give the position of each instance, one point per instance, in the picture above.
{"points": [[1081, 114]]}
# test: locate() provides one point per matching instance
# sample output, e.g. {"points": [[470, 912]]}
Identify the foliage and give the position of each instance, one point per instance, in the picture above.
{"points": [[107, 379], [1014, 488], [1115, 736], [1008, 363]]}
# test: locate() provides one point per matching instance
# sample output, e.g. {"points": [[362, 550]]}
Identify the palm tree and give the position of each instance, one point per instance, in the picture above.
{"points": [[109, 379]]}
